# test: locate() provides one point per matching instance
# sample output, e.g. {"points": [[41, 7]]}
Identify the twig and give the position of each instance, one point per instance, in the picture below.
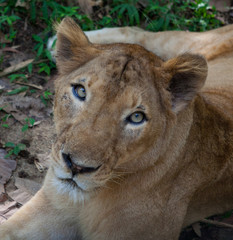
{"points": [[15, 67], [220, 224], [3, 216], [42, 61], [30, 85]]}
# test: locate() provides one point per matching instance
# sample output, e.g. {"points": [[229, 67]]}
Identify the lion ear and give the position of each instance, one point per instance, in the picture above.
{"points": [[187, 75], [73, 48]]}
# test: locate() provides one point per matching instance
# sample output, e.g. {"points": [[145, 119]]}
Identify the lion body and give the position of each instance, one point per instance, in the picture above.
{"points": [[148, 180]]}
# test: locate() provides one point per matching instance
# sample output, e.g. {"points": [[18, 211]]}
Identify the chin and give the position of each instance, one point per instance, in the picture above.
{"points": [[70, 188]]}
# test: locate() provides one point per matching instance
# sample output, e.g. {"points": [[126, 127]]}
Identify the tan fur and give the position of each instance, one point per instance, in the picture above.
{"points": [[153, 178]]}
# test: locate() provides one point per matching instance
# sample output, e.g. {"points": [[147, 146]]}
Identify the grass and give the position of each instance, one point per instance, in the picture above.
{"points": [[194, 15]]}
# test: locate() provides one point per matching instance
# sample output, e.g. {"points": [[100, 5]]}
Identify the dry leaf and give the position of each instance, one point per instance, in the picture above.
{"points": [[197, 228], [30, 85], [87, 5], [10, 49], [16, 67], [4, 84], [3, 197], [27, 185], [3, 39], [20, 196], [26, 190], [7, 210], [21, 3], [43, 161], [7, 166], [36, 123], [18, 115], [221, 6]]}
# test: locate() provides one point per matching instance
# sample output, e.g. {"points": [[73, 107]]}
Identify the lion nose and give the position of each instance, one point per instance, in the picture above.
{"points": [[75, 169]]}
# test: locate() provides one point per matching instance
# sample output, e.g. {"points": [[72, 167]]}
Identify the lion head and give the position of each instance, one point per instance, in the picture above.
{"points": [[115, 108]]}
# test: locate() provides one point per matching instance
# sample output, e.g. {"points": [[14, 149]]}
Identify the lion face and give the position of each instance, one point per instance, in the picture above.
{"points": [[113, 107]]}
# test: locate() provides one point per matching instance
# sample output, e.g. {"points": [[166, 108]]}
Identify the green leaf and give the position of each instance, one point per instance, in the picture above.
{"points": [[13, 77], [9, 144], [37, 38], [54, 43], [31, 121], [45, 10], [18, 90], [44, 100], [33, 10], [47, 94], [30, 68], [48, 54], [5, 117], [40, 50], [227, 214], [5, 125], [33, 91], [9, 153], [24, 128], [44, 68], [16, 150]]}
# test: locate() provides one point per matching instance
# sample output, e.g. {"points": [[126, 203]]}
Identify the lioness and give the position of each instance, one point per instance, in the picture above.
{"points": [[141, 150]]}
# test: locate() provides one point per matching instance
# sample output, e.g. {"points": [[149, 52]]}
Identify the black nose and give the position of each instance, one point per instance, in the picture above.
{"points": [[75, 169], [67, 159]]}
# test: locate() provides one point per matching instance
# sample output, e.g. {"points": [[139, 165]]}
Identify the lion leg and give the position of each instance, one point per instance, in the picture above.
{"points": [[38, 220]]}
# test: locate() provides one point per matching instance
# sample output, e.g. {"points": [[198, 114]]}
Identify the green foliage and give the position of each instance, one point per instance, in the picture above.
{"points": [[4, 120], [5, 125], [45, 97], [5, 117], [17, 76], [126, 11], [44, 67], [189, 15], [227, 214], [154, 15], [42, 52], [7, 19], [30, 66], [29, 123], [50, 11], [14, 148], [18, 90]]}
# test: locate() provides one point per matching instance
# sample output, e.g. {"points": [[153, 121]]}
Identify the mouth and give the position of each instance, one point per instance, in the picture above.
{"points": [[70, 182]]}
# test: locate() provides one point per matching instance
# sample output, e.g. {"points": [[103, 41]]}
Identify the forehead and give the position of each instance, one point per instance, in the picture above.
{"points": [[118, 77], [117, 68]]}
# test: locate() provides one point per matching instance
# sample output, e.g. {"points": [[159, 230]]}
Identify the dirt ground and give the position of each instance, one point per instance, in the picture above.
{"points": [[21, 176]]}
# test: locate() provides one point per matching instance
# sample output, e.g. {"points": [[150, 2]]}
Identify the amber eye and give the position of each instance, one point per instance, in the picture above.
{"points": [[79, 91], [136, 118]]}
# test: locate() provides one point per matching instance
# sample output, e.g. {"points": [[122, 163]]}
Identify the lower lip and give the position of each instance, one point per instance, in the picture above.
{"points": [[70, 182]]}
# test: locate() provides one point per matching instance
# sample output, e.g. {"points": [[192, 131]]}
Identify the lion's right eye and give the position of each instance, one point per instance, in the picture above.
{"points": [[79, 91], [137, 118]]}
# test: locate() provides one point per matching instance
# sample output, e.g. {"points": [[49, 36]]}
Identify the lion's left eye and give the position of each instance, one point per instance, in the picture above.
{"points": [[136, 118], [79, 91]]}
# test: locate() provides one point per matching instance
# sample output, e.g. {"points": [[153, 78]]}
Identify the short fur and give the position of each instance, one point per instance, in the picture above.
{"points": [[151, 179]]}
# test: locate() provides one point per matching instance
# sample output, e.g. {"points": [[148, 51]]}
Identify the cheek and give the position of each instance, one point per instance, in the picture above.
{"points": [[136, 142], [130, 145], [63, 109]]}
